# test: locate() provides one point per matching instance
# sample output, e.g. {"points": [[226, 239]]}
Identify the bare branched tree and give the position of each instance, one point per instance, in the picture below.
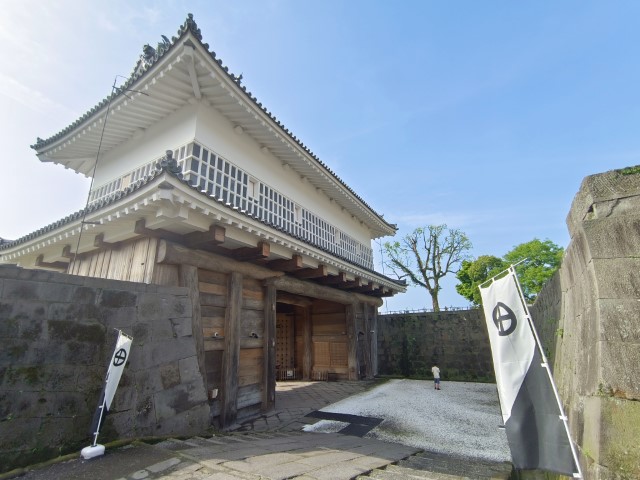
{"points": [[427, 255]]}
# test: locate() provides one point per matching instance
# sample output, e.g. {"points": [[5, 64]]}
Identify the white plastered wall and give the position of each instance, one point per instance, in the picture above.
{"points": [[169, 133], [216, 133]]}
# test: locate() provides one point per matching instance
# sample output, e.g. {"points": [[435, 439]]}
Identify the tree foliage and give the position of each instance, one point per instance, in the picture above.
{"points": [[474, 273], [543, 258], [427, 255]]}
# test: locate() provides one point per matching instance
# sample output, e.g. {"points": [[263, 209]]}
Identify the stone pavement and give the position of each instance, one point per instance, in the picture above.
{"points": [[296, 399], [273, 447]]}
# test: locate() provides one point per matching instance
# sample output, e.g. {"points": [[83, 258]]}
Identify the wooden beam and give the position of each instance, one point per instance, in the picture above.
{"points": [[261, 252], [367, 341], [307, 344], [214, 236], [140, 228], [286, 265], [174, 254], [373, 322], [99, 242], [319, 272], [334, 279], [355, 283], [57, 265], [269, 349], [368, 288], [66, 252], [291, 299], [313, 290], [231, 354], [189, 278]]}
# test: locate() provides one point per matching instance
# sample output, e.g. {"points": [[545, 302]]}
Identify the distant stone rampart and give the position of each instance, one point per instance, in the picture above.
{"points": [[588, 318], [410, 343], [57, 334]]}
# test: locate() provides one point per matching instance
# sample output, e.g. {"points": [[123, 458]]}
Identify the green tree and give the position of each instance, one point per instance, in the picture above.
{"points": [[427, 255], [543, 258], [474, 273]]}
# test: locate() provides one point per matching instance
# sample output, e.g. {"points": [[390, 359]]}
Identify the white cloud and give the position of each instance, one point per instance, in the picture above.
{"points": [[27, 96]]}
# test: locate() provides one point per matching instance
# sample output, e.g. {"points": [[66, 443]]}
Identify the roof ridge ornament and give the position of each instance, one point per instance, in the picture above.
{"points": [[150, 55], [190, 24], [169, 164]]}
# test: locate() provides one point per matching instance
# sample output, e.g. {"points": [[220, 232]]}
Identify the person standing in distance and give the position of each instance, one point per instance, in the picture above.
{"points": [[436, 377]]}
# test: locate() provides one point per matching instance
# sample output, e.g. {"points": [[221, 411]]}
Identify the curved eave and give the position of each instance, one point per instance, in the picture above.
{"points": [[188, 72], [176, 207]]}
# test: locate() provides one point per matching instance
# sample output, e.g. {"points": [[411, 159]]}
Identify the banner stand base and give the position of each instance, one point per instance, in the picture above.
{"points": [[92, 451]]}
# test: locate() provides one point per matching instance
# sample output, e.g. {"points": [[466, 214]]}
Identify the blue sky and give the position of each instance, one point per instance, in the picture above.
{"points": [[482, 115]]}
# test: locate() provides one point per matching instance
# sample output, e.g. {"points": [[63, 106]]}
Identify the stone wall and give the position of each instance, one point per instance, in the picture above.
{"points": [[588, 317], [57, 334], [409, 344]]}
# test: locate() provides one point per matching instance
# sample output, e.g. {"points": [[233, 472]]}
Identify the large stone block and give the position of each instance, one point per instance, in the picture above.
{"points": [[125, 399], [9, 327], [611, 435], [74, 312], [162, 329], [163, 305], [69, 330], [70, 404], [25, 310], [16, 433], [84, 294], [621, 369], [194, 421], [189, 369], [121, 318], [26, 404], [117, 298], [172, 350], [170, 375], [13, 350], [62, 377], [148, 381], [619, 320], [141, 333], [84, 353], [181, 327], [613, 237], [618, 278], [178, 399], [29, 291]]}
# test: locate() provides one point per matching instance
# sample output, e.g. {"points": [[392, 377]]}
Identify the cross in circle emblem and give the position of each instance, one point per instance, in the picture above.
{"points": [[505, 319]]}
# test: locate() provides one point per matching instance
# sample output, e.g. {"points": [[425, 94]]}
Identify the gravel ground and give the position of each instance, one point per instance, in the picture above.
{"points": [[461, 419]]}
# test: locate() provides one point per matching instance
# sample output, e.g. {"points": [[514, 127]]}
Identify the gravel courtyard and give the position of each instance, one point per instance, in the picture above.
{"points": [[462, 419]]}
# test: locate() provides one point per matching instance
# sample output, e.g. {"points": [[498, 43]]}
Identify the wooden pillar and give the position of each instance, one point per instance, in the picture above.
{"points": [[307, 344], [269, 372], [373, 323], [366, 341], [231, 355], [189, 278], [352, 341]]}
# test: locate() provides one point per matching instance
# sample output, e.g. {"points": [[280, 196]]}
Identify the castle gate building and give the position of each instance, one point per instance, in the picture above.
{"points": [[197, 184]]}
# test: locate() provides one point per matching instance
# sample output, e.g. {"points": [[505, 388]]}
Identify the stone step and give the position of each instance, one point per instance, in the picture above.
{"points": [[393, 472], [460, 466]]}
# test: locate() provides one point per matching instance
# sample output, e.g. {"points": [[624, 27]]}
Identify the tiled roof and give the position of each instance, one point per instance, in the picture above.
{"points": [[190, 26], [168, 166]]}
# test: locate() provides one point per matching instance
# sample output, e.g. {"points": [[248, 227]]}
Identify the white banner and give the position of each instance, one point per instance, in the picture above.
{"points": [[512, 341], [114, 372]]}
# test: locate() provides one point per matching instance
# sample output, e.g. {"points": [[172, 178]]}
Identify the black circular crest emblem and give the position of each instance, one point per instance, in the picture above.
{"points": [[505, 319], [120, 357]]}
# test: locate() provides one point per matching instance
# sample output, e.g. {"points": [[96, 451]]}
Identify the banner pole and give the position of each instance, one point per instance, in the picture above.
{"points": [[545, 365]]}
